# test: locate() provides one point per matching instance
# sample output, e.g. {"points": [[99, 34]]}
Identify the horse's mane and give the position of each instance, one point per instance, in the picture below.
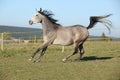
{"points": [[49, 15]]}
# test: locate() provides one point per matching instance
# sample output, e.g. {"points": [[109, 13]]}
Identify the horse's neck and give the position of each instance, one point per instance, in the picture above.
{"points": [[47, 26], [49, 31]]}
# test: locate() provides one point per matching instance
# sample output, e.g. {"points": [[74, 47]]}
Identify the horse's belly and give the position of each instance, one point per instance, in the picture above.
{"points": [[63, 42]]}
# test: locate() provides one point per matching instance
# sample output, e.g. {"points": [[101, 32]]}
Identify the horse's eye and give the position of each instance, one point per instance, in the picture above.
{"points": [[36, 15]]}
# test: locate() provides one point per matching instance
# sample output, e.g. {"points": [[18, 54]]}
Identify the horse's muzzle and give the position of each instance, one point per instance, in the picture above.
{"points": [[30, 22]]}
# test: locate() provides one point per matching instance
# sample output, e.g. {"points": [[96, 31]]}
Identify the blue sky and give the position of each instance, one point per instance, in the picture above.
{"points": [[68, 12]]}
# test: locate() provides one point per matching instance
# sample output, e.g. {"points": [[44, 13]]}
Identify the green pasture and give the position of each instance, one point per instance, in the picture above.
{"points": [[101, 61]]}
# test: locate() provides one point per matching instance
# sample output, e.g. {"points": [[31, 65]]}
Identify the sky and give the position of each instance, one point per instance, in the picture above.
{"points": [[68, 12]]}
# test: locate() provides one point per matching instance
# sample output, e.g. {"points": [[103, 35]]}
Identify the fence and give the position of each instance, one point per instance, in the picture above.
{"points": [[31, 37], [2, 41], [20, 38]]}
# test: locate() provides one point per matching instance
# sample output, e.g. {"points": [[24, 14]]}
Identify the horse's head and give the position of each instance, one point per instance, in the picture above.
{"points": [[37, 18]]}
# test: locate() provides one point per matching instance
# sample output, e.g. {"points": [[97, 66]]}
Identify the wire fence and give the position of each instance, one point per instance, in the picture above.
{"points": [[34, 37], [20, 38]]}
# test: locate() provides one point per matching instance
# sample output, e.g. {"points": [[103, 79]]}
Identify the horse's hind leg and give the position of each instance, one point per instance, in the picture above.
{"points": [[81, 51], [74, 52]]}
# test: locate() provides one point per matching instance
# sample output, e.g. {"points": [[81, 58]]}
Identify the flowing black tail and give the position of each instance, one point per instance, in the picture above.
{"points": [[95, 19]]}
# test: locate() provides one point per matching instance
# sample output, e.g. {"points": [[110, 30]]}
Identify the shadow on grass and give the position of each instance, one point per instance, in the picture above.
{"points": [[90, 58]]}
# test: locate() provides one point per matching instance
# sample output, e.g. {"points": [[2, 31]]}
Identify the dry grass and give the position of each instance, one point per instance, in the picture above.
{"points": [[101, 62]]}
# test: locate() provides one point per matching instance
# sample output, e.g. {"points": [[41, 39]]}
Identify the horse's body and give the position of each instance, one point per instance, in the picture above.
{"points": [[54, 33], [68, 35]]}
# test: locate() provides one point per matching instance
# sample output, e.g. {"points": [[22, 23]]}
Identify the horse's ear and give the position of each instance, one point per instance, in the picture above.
{"points": [[40, 9], [36, 9]]}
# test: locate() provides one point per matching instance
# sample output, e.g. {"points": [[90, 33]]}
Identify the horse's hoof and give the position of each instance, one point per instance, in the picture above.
{"points": [[64, 60], [30, 59]]}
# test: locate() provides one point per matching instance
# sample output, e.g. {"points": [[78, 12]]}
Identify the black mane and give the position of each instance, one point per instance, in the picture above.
{"points": [[49, 15]]}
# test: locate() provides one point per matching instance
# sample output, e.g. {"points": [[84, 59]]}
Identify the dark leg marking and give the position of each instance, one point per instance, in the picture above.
{"points": [[34, 53], [81, 50], [42, 53]]}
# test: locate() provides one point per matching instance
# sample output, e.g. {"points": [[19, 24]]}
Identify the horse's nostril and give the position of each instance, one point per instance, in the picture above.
{"points": [[30, 22]]}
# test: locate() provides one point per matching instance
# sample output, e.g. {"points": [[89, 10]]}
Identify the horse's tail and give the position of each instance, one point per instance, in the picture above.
{"points": [[95, 19]]}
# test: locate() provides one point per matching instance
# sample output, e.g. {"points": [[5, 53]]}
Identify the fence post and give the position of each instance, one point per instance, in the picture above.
{"points": [[35, 39], [63, 48], [2, 38], [19, 40]]}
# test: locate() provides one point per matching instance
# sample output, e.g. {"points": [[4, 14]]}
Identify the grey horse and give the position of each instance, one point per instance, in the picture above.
{"points": [[54, 33]]}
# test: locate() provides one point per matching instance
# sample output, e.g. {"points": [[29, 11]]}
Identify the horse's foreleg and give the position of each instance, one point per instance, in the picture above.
{"points": [[34, 54], [40, 48], [42, 53]]}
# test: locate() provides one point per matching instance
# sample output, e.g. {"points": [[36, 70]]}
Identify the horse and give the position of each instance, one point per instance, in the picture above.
{"points": [[55, 33]]}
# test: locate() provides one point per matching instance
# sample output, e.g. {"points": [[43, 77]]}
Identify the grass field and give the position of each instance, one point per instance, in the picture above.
{"points": [[101, 61]]}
